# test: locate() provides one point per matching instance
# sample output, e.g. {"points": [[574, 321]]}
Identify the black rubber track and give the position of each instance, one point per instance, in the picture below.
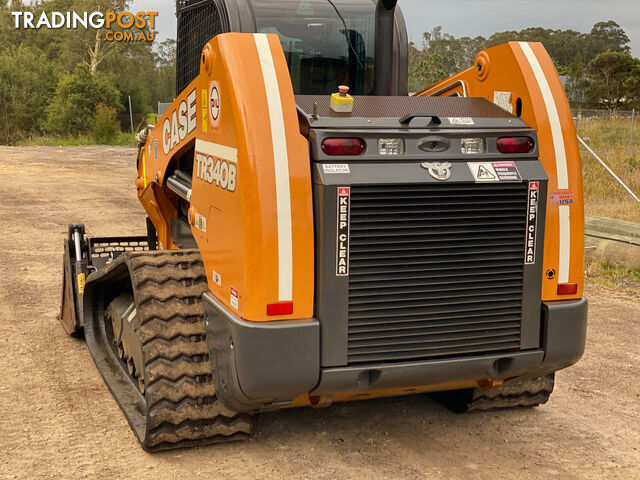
{"points": [[522, 394], [179, 407]]}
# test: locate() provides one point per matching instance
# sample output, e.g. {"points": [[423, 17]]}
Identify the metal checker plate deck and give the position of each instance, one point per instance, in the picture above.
{"points": [[388, 107]]}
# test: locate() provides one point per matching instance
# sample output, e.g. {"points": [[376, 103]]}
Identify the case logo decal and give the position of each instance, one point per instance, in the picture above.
{"points": [[181, 123]]}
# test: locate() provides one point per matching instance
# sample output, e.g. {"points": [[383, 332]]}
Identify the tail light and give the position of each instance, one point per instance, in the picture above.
{"points": [[280, 308], [567, 288], [343, 146], [515, 144]]}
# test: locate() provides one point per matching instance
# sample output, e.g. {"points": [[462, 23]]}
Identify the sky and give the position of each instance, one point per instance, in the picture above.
{"points": [[478, 17]]}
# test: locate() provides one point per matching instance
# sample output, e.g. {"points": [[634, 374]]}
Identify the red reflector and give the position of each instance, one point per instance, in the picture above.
{"points": [[515, 144], [567, 288], [342, 146], [280, 308]]}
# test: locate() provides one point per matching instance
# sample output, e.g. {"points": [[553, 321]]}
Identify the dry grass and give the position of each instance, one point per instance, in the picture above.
{"points": [[609, 138], [623, 281]]}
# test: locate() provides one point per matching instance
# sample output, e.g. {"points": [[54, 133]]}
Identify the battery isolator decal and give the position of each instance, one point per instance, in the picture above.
{"points": [[342, 245], [532, 223], [336, 168]]}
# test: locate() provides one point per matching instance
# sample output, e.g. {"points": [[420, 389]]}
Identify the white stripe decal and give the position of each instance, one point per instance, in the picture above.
{"points": [[554, 118], [281, 161], [565, 244], [561, 160], [216, 150]]}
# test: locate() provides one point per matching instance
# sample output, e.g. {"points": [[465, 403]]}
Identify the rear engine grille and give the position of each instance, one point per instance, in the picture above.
{"points": [[435, 270]]}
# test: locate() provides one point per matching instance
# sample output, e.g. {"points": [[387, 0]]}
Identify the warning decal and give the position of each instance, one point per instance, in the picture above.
{"points": [[532, 223], [201, 223], [485, 174], [461, 121], [342, 244], [233, 298], [495, 172], [82, 281]]}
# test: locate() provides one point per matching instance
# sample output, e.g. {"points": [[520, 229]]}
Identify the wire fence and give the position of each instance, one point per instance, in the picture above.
{"points": [[587, 114], [623, 125]]}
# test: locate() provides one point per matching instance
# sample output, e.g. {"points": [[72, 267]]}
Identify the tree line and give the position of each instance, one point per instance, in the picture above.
{"points": [[72, 82], [598, 66]]}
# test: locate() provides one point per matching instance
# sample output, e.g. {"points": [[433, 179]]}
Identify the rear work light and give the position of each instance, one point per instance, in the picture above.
{"points": [[280, 308], [390, 146], [567, 288], [472, 146], [515, 144], [342, 146]]}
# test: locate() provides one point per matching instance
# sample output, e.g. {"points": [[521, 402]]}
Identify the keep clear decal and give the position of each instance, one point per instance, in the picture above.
{"points": [[342, 246], [532, 223]]}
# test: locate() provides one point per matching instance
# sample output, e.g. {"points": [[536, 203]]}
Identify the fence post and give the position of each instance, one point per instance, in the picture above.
{"points": [[131, 114], [633, 118]]}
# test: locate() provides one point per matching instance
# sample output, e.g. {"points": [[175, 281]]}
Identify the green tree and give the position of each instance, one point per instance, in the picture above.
{"points": [[607, 36], [577, 82], [76, 98], [26, 86], [615, 80], [431, 69], [164, 84], [104, 125]]}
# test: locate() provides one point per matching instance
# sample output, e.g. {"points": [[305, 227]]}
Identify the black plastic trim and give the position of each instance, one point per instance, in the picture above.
{"points": [[257, 364]]}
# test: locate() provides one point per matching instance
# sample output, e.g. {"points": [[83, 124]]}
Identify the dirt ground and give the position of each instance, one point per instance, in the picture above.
{"points": [[58, 420]]}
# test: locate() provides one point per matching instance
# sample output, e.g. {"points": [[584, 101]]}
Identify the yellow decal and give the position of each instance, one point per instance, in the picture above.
{"points": [[201, 223], [205, 111], [81, 283], [144, 169]]}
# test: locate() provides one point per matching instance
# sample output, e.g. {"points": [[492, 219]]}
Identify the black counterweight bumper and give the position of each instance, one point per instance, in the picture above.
{"points": [[263, 365]]}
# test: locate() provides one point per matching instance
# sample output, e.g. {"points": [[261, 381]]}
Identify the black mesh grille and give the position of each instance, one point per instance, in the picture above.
{"points": [[198, 22], [435, 270]]}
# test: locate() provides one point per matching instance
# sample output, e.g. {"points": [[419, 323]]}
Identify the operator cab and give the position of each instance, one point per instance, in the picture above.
{"points": [[326, 43]]}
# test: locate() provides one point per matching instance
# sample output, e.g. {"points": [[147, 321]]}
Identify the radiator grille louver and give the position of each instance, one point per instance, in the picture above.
{"points": [[435, 270]]}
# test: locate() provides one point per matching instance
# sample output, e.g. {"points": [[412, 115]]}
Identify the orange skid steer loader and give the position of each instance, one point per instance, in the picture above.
{"points": [[309, 244]]}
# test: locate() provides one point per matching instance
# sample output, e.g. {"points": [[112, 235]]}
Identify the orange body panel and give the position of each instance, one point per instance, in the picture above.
{"points": [[251, 203], [524, 72]]}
